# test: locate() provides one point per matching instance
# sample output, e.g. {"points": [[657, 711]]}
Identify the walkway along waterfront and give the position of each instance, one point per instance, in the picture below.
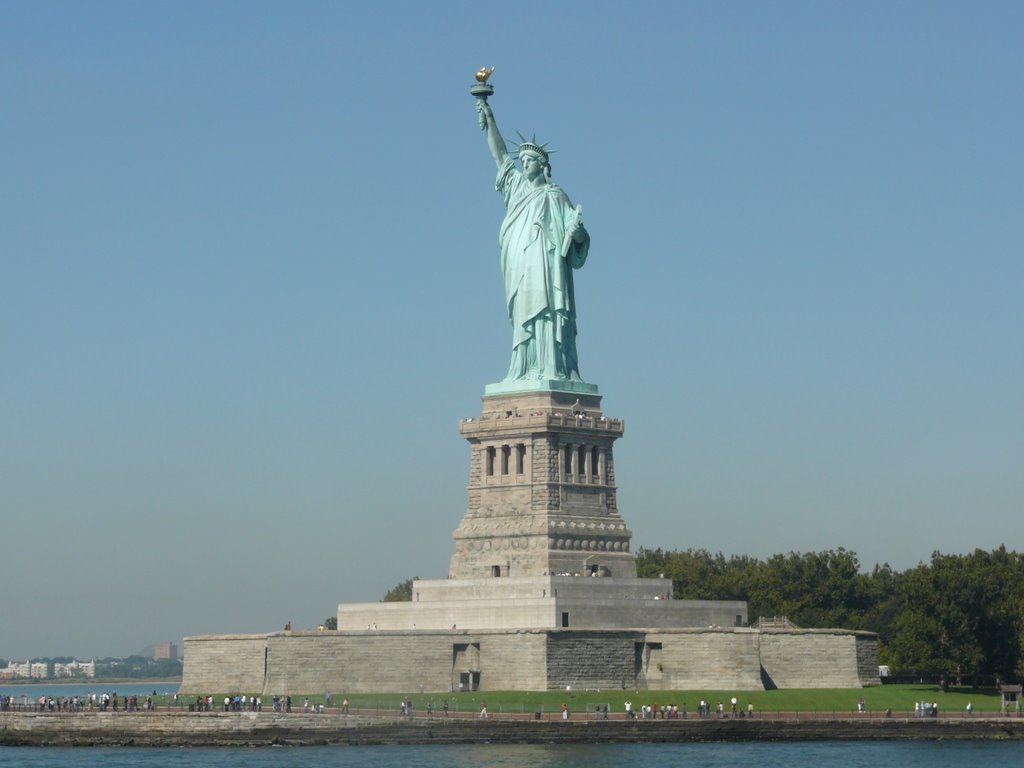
{"points": [[175, 728]]}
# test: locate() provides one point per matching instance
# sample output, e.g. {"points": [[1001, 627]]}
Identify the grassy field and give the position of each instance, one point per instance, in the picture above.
{"points": [[898, 698]]}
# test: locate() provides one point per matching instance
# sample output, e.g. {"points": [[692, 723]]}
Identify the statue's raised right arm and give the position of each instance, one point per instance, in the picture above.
{"points": [[494, 140]]}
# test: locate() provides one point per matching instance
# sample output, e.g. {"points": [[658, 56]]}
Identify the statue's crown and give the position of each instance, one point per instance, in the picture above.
{"points": [[531, 145]]}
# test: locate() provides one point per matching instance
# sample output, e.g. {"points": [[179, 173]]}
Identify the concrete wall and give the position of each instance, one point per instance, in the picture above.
{"points": [[704, 658], [597, 613], [539, 603], [431, 590], [513, 661], [224, 663], [539, 613], [442, 615], [819, 658], [409, 661], [357, 662], [867, 658], [588, 660], [267, 728]]}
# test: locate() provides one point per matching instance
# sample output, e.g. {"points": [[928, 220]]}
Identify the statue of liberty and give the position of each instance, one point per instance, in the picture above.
{"points": [[542, 241]]}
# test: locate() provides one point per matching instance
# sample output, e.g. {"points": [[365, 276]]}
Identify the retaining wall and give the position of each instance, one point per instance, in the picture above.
{"points": [[407, 661], [817, 658], [264, 729]]}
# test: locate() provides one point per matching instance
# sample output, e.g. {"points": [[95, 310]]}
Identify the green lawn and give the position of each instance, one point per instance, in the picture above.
{"points": [[898, 698]]}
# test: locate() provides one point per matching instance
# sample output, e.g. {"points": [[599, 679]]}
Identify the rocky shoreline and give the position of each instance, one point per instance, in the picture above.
{"points": [[166, 729]]}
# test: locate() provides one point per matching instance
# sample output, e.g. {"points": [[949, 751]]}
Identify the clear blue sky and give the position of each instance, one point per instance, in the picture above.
{"points": [[250, 284]]}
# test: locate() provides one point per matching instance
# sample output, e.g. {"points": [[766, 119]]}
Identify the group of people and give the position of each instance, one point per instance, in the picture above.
{"points": [[79, 703], [655, 711], [406, 708], [131, 703], [254, 703], [673, 712], [243, 703], [237, 703], [307, 707]]}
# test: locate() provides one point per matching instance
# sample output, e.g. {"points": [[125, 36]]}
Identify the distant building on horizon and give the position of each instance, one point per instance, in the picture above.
{"points": [[16, 669], [165, 651], [75, 669], [40, 670], [19, 670]]}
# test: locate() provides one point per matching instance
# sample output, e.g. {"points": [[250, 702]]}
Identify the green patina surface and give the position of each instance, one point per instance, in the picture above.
{"points": [[542, 240]]}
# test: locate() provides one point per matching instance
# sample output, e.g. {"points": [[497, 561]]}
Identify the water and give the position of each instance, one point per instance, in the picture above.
{"points": [[908, 754]]}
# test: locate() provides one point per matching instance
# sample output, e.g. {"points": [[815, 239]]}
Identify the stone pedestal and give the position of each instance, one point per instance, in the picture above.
{"points": [[542, 591], [542, 489]]}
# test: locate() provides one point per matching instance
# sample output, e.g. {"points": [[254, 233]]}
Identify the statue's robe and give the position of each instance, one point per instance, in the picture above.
{"points": [[537, 259]]}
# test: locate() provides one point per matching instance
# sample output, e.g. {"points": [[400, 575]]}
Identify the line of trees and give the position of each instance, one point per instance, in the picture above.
{"points": [[138, 666], [958, 618]]}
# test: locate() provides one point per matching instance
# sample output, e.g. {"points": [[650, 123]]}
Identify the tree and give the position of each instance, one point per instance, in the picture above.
{"points": [[697, 574], [401, 592], [331, 622], [813, 589], [962, 615]]}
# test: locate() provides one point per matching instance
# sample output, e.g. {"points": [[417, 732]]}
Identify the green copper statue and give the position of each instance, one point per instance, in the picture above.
{"points": [[542, 241]]}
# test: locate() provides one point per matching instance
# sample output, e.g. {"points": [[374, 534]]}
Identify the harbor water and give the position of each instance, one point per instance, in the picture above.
{"points": [[910, 754]]}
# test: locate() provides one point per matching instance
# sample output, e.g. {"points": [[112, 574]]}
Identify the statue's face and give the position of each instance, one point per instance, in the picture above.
{"points": [[533, 165]]}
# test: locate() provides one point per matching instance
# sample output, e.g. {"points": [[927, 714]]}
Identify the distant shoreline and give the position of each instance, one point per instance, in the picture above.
{"points": [[167, 729]]}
